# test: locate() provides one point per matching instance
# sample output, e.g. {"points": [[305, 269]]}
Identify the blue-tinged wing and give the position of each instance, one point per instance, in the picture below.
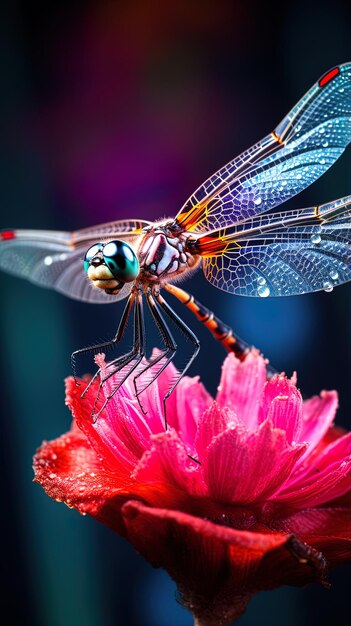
{"points": [[54, 259], [281, 254], [302, 147]]}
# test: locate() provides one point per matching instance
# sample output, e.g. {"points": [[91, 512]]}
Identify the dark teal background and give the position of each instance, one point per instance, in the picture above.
{"points": [[121, 109]]}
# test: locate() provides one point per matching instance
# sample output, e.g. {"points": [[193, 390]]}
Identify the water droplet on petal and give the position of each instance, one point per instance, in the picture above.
{"points": [[263, 291], [322, 161], [48, 260], [341, 90], [325, 144], [261, 280], [334, 275], [298, 176], [257, 200], [316, 238], [322, 130], [284, 183], [327, 286]]}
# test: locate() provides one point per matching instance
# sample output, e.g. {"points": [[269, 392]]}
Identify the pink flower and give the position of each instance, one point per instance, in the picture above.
{"points": [[267, 503]]}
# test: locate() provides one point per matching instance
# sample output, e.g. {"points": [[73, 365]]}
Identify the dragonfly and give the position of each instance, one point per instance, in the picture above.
{"points": [[227, 227]]}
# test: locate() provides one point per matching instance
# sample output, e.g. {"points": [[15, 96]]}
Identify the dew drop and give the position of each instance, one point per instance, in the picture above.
{"points": [[48, 260], [298, 176], [322, 161], [334, 275], [261, 280], [284, 183], [327, 286], [325, 144], [341, 90], [258, 200], [263, 291], [316, 238], [322, 130]]}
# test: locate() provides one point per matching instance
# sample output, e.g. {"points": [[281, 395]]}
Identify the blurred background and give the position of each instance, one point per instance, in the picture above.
{"points": [[121, 109]]}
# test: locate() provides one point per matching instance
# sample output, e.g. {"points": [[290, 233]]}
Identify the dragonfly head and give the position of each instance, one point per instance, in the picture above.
{"points": [[110, 265]]}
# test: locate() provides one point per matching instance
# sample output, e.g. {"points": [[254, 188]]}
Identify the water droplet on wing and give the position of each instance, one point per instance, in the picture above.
{"points": [[334, 275], [316, 238], [327, 286], [263, 291]]}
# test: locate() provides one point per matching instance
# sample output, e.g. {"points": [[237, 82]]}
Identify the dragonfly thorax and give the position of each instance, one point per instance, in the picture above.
{"points": [[163, 255]]}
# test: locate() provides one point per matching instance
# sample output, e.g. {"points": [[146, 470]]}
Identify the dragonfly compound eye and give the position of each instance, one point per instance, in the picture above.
{"points": [[121, 260], [93, 251]]}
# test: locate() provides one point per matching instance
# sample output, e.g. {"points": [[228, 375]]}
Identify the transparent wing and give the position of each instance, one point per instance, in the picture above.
{"points": [[54, 259], [302, 147], [282, 254]]}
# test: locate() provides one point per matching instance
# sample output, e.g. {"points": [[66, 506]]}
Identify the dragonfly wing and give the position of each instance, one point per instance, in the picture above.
{"points": [[302, 147], [54, 259], [291, 253]]}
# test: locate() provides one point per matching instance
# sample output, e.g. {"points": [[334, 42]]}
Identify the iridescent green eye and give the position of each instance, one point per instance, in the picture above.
{"points": [[121, 260], [93, 251]]}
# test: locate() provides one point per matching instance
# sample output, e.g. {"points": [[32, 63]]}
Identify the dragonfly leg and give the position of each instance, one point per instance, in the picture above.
{"points": [[107, 344], [188, 333], [220, 331], [131, 359], [165, 355]]}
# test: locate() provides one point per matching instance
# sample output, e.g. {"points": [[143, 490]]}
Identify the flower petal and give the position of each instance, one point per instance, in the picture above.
{"points": [[168, 464], [282, 403], [318, 417], [70, 471], [243, 468], [328, 529], [215, 567], [214, 421], [326, 478], [241, 386], [111, 449], [192, 402]]}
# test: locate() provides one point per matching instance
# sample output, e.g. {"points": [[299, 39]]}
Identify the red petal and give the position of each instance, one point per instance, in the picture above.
{"points": [[70, 471], [192, 402], [241, 386], [243, 468], [282, 403], [318, 416], [214, 421], [114, 455], [327, 529], [167, 464], [326, 478], [216, 567]]}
